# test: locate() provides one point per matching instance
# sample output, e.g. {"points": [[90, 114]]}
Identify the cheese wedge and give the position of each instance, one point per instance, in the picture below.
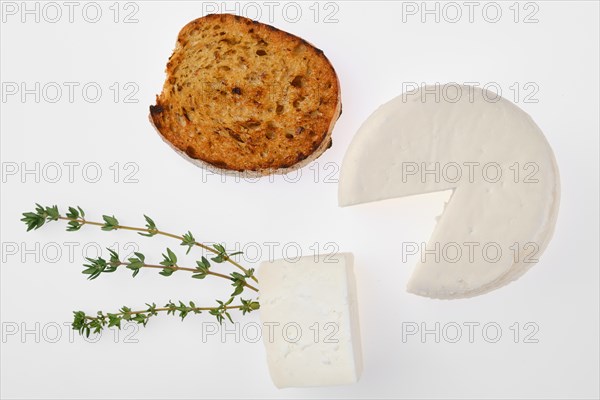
{"points": [[310, 321], [502, 171]]}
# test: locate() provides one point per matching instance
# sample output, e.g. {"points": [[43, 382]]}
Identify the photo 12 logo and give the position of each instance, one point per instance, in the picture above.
{"points": [[452, 12], [252, 332], [316, 172], [470, 332], [69, 172], [471, 252], [470, 172], [452, 92], [70, 92], [53, 12], [292, 252], [55, 252], [276, 11], [62, 332]]}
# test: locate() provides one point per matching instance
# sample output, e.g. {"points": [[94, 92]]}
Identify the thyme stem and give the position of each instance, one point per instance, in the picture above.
{"points": [[158, 232], [169, 309], [177, 268]]}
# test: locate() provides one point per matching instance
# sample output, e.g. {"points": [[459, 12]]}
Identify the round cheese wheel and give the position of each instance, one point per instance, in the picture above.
{"points": [[496, 160]]}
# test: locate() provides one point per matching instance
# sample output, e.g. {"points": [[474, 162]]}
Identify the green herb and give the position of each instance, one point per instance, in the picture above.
{"points": [[74, 214], [188, 240], [94, 267], [35, 220], [239, 281], [222, 255], [136, 263], [151, 227], [170, 263], [86, 324], [110, 223], [202, 269]]}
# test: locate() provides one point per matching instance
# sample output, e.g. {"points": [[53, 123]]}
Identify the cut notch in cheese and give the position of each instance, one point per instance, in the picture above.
{"points": [[422, 131], [312, 308]]}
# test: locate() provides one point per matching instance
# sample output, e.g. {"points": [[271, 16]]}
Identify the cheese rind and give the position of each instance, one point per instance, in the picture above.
{"points": [[428, 133], [310, 321]]}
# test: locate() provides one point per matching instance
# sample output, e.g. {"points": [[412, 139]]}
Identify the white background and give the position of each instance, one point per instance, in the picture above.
{"points": [[375, 52]]}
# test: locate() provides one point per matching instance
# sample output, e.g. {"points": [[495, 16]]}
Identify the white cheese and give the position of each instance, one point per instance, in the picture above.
{"points": [[310, 320], [418, 143]]}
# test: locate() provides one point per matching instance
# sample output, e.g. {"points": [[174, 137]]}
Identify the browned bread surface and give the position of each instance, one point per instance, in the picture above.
{"points": [[244, 96]]}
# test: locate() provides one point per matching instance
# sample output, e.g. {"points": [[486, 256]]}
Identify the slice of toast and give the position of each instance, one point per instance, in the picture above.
{"points": [[244, 96]]}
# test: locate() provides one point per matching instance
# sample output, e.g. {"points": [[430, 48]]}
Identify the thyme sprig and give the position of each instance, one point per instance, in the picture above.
{"points": [[94, 267], [97, 266], [76, 219], [86, 324]]}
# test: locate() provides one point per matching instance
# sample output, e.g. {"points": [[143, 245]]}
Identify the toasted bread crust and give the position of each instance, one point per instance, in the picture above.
{"points": [[244, 96]]}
